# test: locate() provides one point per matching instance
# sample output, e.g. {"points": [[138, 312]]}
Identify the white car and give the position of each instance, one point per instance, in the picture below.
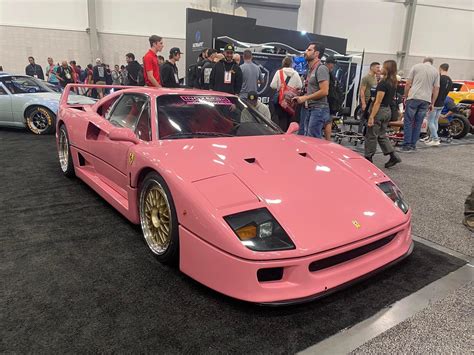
{"points": [[31, 103]]}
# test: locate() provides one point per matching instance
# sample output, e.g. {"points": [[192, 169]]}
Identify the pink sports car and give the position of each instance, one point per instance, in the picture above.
{"points": [[252, 212]]}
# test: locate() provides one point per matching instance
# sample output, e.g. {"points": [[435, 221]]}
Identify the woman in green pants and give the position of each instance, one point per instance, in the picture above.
{"points": [[380, 116]]}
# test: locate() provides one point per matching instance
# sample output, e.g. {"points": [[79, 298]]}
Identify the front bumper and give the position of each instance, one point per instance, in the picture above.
{"points": [[237, 277]]}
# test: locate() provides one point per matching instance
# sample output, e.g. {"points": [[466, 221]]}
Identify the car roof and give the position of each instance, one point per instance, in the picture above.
{"points": [[4, 74]]}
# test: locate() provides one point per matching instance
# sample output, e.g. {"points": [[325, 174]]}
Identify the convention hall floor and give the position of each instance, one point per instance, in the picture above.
{"points": [[77, 277]]}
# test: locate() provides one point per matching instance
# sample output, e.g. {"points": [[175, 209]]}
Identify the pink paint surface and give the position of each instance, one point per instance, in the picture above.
{"points": [[315, 189]]}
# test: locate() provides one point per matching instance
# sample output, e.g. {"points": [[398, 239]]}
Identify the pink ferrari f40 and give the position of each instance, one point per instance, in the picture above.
{"points": [[250, 211]]}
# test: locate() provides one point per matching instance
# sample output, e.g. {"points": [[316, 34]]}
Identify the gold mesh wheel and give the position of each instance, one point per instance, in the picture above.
{"points": [[63, 150], [155, 216]]}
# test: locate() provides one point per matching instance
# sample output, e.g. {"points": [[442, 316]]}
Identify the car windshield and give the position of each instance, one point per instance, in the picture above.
{"points": [[25, 85], [456, 87], [201, 116]]}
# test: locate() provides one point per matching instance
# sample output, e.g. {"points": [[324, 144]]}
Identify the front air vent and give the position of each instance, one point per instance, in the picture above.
{"points": [[303, 154], [349, 255], [250, 160], [270, 274]]}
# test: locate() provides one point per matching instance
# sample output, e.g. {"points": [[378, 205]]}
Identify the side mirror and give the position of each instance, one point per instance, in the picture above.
{"points": [[123, 135], [293, 128]]}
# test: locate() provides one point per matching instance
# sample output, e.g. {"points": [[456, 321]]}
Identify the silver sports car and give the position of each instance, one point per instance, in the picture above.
{"points": [[31, 103]]}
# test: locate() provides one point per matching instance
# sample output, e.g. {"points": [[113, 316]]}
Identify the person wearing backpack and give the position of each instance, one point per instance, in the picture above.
{"points": [[335, 95], [290, 78], [194, 70], [206, 69], [134, 71], [315, 112]]}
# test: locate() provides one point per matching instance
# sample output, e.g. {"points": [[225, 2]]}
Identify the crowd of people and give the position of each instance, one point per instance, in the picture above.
{"points": [[311, 100]]}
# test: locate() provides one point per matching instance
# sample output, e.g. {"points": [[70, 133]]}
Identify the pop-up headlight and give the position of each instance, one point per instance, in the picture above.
{"points": [[258, 230], [394, 194]]}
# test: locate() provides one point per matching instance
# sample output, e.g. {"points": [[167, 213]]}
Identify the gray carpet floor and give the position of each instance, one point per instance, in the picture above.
{"points": [[436, 182], [76, 277], [446, 327]]}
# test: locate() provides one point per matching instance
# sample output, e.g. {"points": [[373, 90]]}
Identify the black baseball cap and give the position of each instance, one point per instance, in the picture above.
{"points": [[331, 60], [252, 95], [229, 47], [175, 50]]}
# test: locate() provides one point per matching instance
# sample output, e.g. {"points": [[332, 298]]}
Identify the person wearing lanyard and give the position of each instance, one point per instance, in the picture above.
{"points": [[315, 112], [380, 115], [226, 76], [51, 72], [34, 69], [169, 70]]}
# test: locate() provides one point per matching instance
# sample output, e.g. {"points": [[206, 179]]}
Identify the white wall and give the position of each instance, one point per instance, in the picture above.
{"points": [[55, 14], [460, 4], [166, 18], [443, 33], [375, 25], [306, 15]]}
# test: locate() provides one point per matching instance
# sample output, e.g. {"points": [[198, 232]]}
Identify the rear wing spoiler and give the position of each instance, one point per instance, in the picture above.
{"points": [[67, 101]]}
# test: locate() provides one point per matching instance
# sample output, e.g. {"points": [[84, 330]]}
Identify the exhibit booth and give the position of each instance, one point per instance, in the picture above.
{"points": [[269, 46]]}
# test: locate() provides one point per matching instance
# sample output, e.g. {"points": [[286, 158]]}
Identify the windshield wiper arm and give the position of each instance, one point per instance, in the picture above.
{"points": [[195, 134], [213, 134]]}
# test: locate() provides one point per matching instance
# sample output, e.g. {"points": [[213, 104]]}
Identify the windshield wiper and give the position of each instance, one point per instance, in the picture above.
{"points": [[195, 135], [213, 134]]}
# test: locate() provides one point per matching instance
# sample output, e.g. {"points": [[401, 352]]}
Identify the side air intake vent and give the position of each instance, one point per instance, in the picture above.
{"points": [[270, 274]]}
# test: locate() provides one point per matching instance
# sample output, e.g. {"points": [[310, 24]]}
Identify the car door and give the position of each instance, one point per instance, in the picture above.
{"points": [[110, 158], [6, 114]]}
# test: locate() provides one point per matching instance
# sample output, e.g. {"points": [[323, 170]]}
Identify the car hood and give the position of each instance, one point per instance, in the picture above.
{"points": [[323, 194]]}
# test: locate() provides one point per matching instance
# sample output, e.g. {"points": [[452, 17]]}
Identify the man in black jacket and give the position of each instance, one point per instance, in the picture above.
{"points": [[134, 71], [99, 74], [34, 69], [169, 70], [206, 69], [226, 75]]}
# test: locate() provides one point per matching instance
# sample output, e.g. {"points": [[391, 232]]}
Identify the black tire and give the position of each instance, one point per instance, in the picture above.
{"points": [[64, 153], [40, 120], [158, 219], [459, 126]]}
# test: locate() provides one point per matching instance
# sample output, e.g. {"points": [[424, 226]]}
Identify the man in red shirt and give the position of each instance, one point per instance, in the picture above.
{"points": [[151, 68]]}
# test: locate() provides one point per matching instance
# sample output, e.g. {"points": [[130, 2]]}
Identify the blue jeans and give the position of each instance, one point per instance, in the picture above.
{"points": [[433, 122], [313, 120], [415, 112]]}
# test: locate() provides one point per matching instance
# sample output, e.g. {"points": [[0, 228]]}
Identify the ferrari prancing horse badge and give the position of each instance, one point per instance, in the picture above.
{"points": [[356, 224], [131, 158]]}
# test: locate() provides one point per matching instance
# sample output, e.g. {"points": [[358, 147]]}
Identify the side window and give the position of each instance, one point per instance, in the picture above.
{"points": [[106, 107], [127, 111], [143, 130], [2, 91]]}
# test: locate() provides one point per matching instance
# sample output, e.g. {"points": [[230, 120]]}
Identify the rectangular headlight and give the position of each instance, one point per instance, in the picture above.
{"points": [[394, 194], [258, 230]]}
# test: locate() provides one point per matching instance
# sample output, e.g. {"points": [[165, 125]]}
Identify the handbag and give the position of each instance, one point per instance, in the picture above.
{"points": [[286, 95]]}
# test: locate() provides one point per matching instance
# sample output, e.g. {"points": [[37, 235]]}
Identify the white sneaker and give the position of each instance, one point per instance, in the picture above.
{"points": [[426, 139], [433, 143]]}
